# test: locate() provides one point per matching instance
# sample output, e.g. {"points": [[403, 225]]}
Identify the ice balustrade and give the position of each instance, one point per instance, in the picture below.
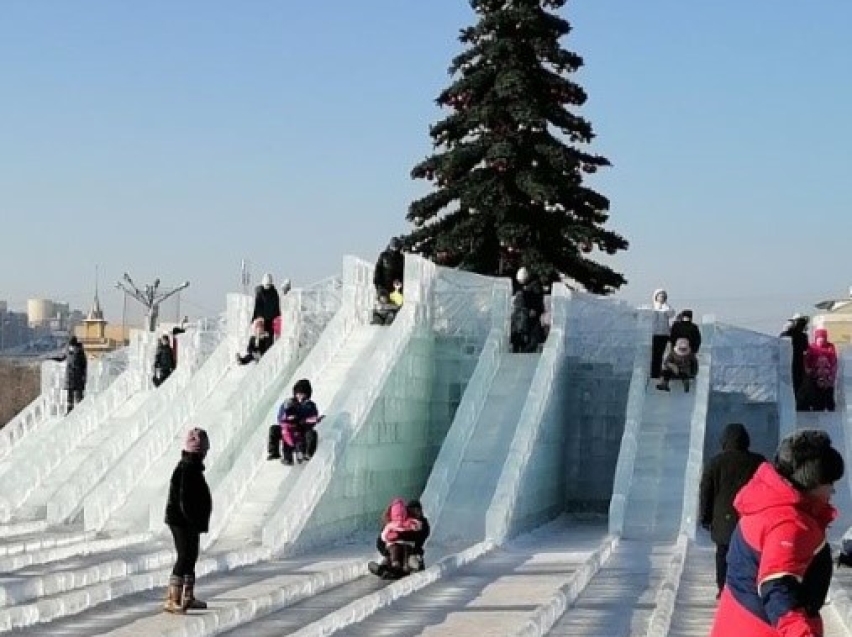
{"points": [[304, 314], [286, 524], [33, 415], [353, 297], [624, 468], [747, 363], [103, 481], [22, 475], [527, 492], [452, 451], [101, 372], [698, 428]]}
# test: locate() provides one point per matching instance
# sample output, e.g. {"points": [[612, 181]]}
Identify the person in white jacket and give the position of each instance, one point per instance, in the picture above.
{"points": [[663, 315]]}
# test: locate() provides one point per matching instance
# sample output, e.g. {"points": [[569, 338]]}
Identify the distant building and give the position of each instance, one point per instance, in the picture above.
{"points": [[836, 318], [97, 335], [14, 328]]}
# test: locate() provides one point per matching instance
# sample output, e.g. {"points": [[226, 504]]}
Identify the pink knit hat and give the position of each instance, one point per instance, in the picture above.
{"points": [[196, 441]]}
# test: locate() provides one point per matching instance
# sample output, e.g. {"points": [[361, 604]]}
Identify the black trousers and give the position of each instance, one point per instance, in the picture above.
{"points": [[658, 350], [276, 445], [187, 544], [75, 396], [721, 565]]}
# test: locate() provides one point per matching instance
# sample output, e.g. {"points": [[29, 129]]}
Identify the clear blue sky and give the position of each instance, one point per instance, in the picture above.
{"points": [[175, 138]]}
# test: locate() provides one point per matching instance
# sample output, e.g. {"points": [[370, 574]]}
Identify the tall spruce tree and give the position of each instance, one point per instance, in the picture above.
{"points": [[509, 162]]}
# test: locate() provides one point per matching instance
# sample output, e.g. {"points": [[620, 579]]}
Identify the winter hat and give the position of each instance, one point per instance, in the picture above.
{"points": [[398, 511], [73, 342], [522, 276], [686, 314], [821, 333], [682, 347], [395, 244], [807, 459], [303, 386], [657, 293], [735, 437], [266, 280], [196, 441]]}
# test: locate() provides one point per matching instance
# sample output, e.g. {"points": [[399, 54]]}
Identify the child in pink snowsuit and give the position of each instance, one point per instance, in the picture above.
{"points": [[398, 521], [821, 372]]}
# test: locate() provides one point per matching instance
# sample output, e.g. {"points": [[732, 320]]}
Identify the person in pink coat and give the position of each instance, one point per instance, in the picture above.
{"points": [[397, 522], [821, 372]]}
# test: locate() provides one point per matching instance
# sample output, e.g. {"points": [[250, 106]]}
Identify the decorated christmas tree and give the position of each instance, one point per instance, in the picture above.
{"points": [[511, 156]]}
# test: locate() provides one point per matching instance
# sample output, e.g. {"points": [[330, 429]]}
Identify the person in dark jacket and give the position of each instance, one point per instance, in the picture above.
{"points": [[683, 327], [415, 539], [723, 477], [779, 562], [299, 412], [532, 300], [75, 372], [390, 266], [267, 302], [796, 331], [164, 360], [188, 511], [258, 344]]}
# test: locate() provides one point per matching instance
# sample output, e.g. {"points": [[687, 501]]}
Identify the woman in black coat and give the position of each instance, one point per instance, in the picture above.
{"points": [[188, 515], [725, 474], [164, 361]]}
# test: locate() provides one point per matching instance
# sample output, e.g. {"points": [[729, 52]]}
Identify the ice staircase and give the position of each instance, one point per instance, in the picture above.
{"points": [[460, 519], [273, 482]]}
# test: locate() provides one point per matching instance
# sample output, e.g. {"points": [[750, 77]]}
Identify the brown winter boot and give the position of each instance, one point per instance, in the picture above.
{"points": [[189, 601], [174, 596]]}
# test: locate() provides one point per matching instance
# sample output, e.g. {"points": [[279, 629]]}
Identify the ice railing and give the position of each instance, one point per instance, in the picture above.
{"points": [[624, 467], [453, 449], [101, 373], [462, 307], [500, 510], [103, 482], [786, 393], [33, 415], [28, 473], [352, 296], [287, 522], [697, 431]]}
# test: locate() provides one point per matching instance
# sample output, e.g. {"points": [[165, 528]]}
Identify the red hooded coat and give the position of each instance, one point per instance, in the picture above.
{"points": [[821, 360], [779, 563]]}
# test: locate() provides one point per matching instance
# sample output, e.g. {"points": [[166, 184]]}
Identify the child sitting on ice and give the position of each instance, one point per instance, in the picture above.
{"points": [[680, 362], [397, 523], [384, 311]]}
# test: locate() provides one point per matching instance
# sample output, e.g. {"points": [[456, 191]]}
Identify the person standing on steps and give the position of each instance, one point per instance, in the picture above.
{"points": [[723, 477], [188, 511], [267, 302], [796, 330], [164, 361], [779, 560], [662, 318], [76, 367]]}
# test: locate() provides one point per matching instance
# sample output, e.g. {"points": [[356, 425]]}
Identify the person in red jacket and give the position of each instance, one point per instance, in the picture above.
{"points": [[779, 562]]}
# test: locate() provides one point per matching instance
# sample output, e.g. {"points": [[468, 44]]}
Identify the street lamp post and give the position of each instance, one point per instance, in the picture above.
{"points": [[150, 296]]}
